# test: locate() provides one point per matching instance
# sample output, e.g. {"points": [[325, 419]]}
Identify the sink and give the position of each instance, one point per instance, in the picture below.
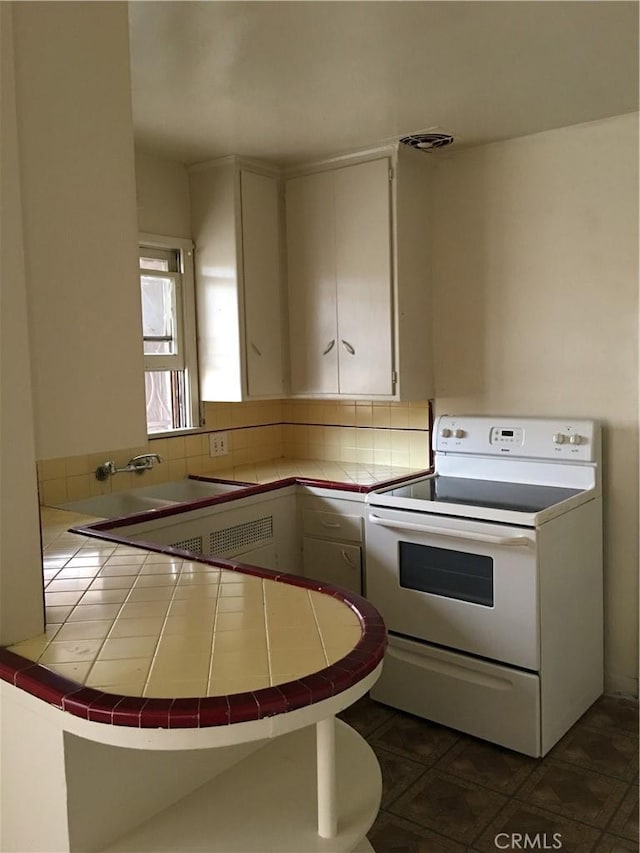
{"points": [[112, 506], [185, 490], [148, 498]]}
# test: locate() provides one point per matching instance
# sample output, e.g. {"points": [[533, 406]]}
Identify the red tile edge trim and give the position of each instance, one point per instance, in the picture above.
{"points": [[202, 712]]}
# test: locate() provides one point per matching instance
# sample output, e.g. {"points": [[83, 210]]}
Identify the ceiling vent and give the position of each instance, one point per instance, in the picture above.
{"points": [[427, 141]]}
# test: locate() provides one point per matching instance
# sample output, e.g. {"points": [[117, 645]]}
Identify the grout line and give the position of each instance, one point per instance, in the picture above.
{"points": [[266, 631], [213, 634], [493, 817], [356, 426], [614, 814], [315, 617]]}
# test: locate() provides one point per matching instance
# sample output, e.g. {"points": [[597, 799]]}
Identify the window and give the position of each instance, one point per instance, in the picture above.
{"points": [[168, 333]]}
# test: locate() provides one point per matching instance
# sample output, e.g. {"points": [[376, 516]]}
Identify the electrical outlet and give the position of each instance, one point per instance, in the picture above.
{"points": [[218, 444]]}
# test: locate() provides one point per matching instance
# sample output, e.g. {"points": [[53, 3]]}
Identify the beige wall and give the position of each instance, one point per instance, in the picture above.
{"points": [[79, 217], [162, 188], [21, 599], [536, 285]]}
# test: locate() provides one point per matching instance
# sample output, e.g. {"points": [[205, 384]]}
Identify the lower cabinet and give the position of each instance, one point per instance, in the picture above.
{"points": [[287, 530], [337, 563], [332, 541]]}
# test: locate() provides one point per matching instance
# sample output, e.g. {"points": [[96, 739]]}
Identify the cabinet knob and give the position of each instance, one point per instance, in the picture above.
{"points": [[255, 349], [329, 347], [348, 347]]}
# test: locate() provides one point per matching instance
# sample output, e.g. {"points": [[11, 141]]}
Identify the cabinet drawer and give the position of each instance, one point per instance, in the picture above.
{"points": [[331, 525], [486, 700]]}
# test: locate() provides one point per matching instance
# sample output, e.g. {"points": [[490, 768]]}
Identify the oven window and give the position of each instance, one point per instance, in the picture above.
{"points": [[451, 574]]}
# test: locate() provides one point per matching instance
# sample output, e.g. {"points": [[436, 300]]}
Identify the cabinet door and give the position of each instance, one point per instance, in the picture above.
{"points": [[214, 198], [333, 562], [363, 278], [312, 285], [262, 284]]}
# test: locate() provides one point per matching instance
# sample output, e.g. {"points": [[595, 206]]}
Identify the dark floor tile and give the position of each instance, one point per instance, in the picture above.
{"points": [[625, 820], [391, 834], [600, 750], [614, 714], [365, 715], [573, 792], [491, 766], [397, 774], [541, 829], [416, 739], [612, 844], [449, 805]]}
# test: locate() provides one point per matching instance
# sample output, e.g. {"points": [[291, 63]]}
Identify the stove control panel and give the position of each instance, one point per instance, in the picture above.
{"points": [[530, 438], [507, 436]]}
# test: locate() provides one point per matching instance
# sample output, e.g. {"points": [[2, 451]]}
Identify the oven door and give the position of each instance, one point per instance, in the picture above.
{"points": [[465, 585]]}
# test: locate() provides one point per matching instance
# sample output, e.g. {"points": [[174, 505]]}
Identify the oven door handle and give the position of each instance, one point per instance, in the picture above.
{"points": [[450, 532]]}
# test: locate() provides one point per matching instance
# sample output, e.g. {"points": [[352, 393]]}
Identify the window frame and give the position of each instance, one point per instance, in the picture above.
{"points": [[186, 337], [174, 360]]}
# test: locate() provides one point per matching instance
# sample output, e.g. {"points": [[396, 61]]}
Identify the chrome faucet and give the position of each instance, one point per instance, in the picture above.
{"points": [[139, 464], [143, 462]]}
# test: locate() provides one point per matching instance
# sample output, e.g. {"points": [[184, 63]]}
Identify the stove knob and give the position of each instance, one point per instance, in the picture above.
{"points": [[458, 433], [446, 432], [559, 438], [575, 439]]}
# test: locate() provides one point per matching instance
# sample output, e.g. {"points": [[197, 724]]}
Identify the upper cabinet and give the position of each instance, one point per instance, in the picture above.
{"points": [[358, 284], [358, 296], [239, 300], [339, 272]]}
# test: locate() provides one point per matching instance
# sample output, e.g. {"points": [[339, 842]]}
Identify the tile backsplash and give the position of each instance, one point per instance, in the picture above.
{"points": [[344, 431]]}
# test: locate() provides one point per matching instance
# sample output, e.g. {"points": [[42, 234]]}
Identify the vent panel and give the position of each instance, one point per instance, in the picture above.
{"points": [[194, 545], [241, 535]]}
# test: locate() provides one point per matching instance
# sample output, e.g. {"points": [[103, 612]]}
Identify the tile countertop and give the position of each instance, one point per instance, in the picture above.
{"points": [[345, 476], [149, 639]]}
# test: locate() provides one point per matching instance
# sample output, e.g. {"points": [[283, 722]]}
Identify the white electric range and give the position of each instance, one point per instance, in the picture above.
{"points": [[488, 574]]}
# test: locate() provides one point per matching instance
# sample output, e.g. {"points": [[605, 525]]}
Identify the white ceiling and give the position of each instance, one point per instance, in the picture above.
{"points": [[291, 81]]}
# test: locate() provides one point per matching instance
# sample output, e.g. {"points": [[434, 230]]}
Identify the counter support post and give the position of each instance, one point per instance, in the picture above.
{"points": [[326, 769]]}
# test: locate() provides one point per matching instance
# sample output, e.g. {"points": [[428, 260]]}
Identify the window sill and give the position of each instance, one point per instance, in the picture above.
{"points": [[177, 432]]}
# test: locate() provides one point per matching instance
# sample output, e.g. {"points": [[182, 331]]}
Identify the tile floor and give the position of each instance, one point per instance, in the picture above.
{"points": [[445, 792]]}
